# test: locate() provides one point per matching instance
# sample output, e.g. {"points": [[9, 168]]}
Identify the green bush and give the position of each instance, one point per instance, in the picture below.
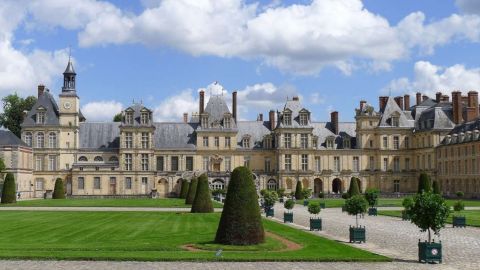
{"points": [[241, 222], [281, 192], [345, 196], [306, 193], [356, 205], [192, 189], [321, 195], [354, 189], [203, 201], [424, 183], [183, 189], [436, 188], [371, 195], [298, 191], [407, 203], [314, 208], [8, 192], [263, 192], [289, 204], [269, 199], [458, 206], [59, 190], [459, 194]]}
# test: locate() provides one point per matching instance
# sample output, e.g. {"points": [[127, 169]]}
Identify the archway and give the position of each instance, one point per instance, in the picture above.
{"points": [[336, 186], [317, 186], [272, 184], [162, 187]]}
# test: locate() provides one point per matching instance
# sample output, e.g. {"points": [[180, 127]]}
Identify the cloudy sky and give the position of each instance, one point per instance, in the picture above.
{"points": [[331, 53]]}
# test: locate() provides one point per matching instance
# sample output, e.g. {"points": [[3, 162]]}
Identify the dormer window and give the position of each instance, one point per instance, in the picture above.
{"points": [[226, 122], [287, 119], [246, 142], [41, 117], [205, 121], [144, 118], [346, 143], [395, 121], [129, 118], [303, 119], [267, 142], [314, 142], [330, 143]]}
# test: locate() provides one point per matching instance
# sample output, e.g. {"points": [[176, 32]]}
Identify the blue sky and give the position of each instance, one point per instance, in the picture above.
{"points": [[332, 53]]}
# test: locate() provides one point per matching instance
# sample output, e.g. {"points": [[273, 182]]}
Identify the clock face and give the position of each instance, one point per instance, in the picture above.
{"points": [[67, 105]]}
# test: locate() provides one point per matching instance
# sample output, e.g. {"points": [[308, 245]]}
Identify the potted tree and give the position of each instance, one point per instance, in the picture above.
{"points": [[407, 203], [306, 194], [288, 216], [429, 212], [269, 200], [371, 195], [281, 194], [354, 206], [345, 197], [321, 196], [458, 207], [315, 221]]}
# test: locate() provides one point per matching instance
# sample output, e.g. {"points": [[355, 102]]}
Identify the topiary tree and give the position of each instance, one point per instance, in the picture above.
{"points": [[281, 192], [192, 189], [407, 203], [424, 183], [306, 193], [371, 195], [241, 222], [8, 191], [436, 188], [263, 192], [202, 203], [354, 189], [59, 190], [184, 189], [356, 205], [298, 191], [269, 199], [289, 204], [314, 208]]}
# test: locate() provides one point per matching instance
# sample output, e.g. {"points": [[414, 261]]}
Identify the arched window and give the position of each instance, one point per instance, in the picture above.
{"points": [[272, 184], [98, 159], [218, 184], [28, 139], [83, 159], [113, 159], [52, 140], [40, 140]]}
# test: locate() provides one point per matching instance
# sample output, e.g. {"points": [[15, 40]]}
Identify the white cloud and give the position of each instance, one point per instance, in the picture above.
{"points": [[469, 6], [101, 111], [429, 79]]}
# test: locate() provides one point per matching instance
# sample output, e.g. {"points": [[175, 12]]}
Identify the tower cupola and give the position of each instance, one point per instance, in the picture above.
{"points": [[69, 78]]}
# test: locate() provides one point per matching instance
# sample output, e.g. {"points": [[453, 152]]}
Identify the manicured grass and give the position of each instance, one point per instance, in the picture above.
{"points": [[385, 202], [170, 203], [150, 236], [473, 216]]}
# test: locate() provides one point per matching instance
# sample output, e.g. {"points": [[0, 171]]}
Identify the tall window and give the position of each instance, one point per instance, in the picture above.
{"points": [[128, 162], [205, 163], [304, 162], [356, 164], [385, 142], [303, 119], [396, 164], [315, 142], [81, 183], [205, 141], [318, 165], [145, 140], [304, 141], [287, 119], [227, 142], [396, 186], [396, 142], [287, 138], [429, 162], [226, 122], [52, 163], [40, 117], [371, 163], [40, 140], [128, 140], [39, 163], [144, 162], [217, 141], [336, 164], [395, 121], [288, 162], [144, 118], [174, 163], [96, 183], [246, 142], [128, 183], [407, 163], [407, 142], [204, 121], [160, 164], [267, 165], [346, 143], [330, 143], [129, 118], [385, 164], [228, 163], [189, 163], [246, 161], [28, 139]]}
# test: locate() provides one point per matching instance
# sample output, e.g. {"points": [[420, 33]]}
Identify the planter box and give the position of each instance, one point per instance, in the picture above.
{"points": [[288, 217], [429, 252], [405, 216], [357, 234], [459, 221], [322, 205], [269, 212], [372, 211], [315, 224], [305, 202]]}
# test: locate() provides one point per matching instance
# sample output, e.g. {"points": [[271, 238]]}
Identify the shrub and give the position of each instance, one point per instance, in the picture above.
{"points": [[59, 190], [314, 208], [407, 203], [424, 183], [458, 206], [354, 189], [371, 195], [459, 194], [436, 188], [269, 199], [202, 202], [429, 212], [263, 192], [289, 204], [306, 193], [321, 195], [356, 205], [192, 189], [184, 189], [281, 192], [345, 196], [8, 192], [241, 222], [298, 191]]}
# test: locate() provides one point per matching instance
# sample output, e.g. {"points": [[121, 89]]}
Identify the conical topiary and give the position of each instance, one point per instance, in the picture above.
{"points": [[192, 189], [241, 222], [354, 188], [436, 188], [58, 191], [183, 189], [8, 192], [299, 191], [424, 184], [202, 202]]}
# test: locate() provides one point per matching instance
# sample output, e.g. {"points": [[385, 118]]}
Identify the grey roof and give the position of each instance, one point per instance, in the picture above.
{"points": [[69, 69], [346, 131], [137, 109], [46, 101], [437, 117], [8, 138], [295, 106], [216, 109], [391, 108], [255, 129], [174, 135], [99, 135]]}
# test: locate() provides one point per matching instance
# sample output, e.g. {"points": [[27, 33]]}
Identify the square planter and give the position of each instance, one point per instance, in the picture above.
{"points": [[429, 252], [305, 202], [405, 216], [357, 234], [322, 205], [288, 217], [459, 221], [372, 211], [315, 224], [269, 212]]}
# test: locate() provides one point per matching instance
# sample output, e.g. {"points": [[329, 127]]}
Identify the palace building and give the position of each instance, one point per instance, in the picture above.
{"points": [[386, 148]]}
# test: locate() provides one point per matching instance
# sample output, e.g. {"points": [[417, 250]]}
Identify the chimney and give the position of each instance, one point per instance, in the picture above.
{"points": [[271, 118], [185, 118], [383, 102], [41, 90], [419, 98], [362, 104], [445, 98], [202, 102], [295, 98], [334, 122], [473, 103], [234, 105], [438, 97], [406, 102], [424, 97], [472, 114], [399, 101], [465, 100], [457, 107], [260, 117]]}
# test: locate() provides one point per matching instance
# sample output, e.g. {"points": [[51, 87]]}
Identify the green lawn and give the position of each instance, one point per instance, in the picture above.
{"points": [[170, 202], [150, 236], [385, 202], [473, 216]]}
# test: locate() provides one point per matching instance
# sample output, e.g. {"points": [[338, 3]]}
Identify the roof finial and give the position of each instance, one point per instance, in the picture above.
{"points": [[69, 53]]}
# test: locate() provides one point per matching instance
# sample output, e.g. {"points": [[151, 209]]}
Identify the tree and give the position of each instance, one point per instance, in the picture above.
{"points": [[281, 192], [429, 212], [2, 168], [424, 183], [356, 205], [192, 189], [183, 189], [59, 190], [306, 193], [241, 222], [13, 108], [203, 201], [371, 195], [298, 191], [289, 204], [314, 208], [269, 199], [117, 117], [407, 203], [9, 192], [436, 188], [354, 189]]}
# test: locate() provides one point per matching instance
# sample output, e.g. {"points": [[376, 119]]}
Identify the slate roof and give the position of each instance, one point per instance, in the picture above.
{"points": [[69, 69], [323, 130], [137, 109], [8, 138], [216, 109], [295, 106], [437, 117], [255, 129], [391, 108], [99, 136], [174, 135], [46, 101]]}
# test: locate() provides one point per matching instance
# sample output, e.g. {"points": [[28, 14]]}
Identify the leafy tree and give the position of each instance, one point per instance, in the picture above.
{"points": [[8, 192], [371, 195], [429, 212], [436, 188], [192, 189], [281, 192], [203, 201], [241, 222], [13, 108], [424, 183], [354, 189], [407, 203], [356, 205], [321, 195], [298, 191], [289, 204], [263, 192], [269, 199], [314, 208], [117, 117], [184, 189], [458, 206], [306, 193], [59, 190]]}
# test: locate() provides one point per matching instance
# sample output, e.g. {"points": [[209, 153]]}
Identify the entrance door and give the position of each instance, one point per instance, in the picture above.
{"points": [[337, 186], [113, 185]]}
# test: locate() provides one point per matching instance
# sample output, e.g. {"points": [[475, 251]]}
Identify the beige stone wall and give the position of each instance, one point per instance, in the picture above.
{"points": [[18, 161]]}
